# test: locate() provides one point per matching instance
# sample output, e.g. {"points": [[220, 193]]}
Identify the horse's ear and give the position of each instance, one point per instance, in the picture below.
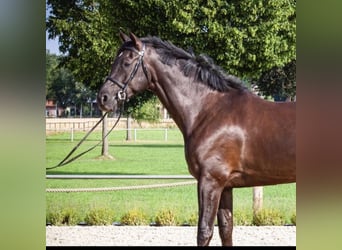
{"points": [[137, 42], [124, 37]]}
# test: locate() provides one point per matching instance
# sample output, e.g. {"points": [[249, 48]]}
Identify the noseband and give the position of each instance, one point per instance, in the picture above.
{"points": [[122, 95]]}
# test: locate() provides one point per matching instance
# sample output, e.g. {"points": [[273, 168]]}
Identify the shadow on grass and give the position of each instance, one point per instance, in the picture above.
{"points": [[52, 172], [99, 159], [147, 145]]}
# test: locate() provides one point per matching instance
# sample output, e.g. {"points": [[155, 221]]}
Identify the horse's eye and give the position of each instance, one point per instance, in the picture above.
{"points": [[127, 64]]}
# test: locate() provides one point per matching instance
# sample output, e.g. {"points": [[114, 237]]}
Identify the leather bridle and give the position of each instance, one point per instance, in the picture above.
{"points": [[122, 95]]}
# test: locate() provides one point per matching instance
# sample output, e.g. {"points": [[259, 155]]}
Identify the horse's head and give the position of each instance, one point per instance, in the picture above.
{"points": [[128, 75]]}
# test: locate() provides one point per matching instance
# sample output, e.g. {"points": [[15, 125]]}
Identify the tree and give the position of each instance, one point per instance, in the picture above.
{"points": [[244, 37], [83, 95], [148, 111], [61, 85], [279, 81], [60, 82], [85, 37], [51, 66]]}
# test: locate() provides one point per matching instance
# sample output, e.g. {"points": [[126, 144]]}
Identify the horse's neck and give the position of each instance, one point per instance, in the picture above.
{"points": [[183, 98]]}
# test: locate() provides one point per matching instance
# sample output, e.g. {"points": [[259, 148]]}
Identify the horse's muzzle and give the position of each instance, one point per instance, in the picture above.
{"points": [[106, 101]]}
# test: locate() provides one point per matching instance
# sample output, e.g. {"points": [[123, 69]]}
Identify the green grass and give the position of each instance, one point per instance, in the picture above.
{"points": [[149, 155], [142, 157]]}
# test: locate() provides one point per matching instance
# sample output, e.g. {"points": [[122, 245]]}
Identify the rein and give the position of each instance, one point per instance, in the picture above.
{"points": [[66, 161], [121, 96]]}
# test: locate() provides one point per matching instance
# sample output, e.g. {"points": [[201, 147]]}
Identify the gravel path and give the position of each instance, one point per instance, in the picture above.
{"points": [[164, 236]]}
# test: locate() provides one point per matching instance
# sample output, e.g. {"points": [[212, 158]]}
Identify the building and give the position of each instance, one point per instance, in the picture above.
{"points": [[52, 110]]}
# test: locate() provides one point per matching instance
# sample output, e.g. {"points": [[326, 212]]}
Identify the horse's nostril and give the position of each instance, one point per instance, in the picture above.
{"points": [[104, 98]]}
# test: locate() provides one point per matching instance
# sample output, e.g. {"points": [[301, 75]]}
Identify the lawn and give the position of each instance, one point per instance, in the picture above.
{"points": [[150, 154]]}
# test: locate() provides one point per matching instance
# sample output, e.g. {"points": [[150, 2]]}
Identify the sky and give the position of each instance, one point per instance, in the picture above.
{"points": [[52, 45]]}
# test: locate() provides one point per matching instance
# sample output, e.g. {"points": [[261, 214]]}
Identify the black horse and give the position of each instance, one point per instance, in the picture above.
{"points": [[232, 137]]}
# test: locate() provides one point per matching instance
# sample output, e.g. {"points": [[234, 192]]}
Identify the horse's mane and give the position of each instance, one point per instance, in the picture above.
{"points": [[202, 66]]}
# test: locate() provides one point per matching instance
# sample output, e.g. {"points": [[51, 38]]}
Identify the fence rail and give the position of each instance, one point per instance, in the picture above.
{"points": [[84, 124], [73, 126], [134, 133]]}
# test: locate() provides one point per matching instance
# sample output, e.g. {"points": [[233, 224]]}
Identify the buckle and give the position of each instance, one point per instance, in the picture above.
{"points": [[121, 95]]}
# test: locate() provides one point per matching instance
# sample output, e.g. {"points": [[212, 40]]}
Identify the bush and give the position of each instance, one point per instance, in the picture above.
{"points": [[70, 216], [268, 217], [183, 220], [54, 217], [193, 219], [67, 216], [134, 217], [165, 217], [99, 216], [293, 219], [242, 218]]}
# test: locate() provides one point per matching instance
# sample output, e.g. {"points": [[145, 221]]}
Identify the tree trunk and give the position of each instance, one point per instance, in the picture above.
{"points": [[81, 110], [104, 140], [128, 125], [104, 151]]}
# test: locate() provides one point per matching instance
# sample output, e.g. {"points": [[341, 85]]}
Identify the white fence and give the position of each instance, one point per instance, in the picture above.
{"points": [[84, 124], [135, 132]]}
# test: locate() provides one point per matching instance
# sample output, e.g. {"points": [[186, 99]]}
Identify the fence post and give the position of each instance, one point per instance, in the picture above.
{"points": [[165, 135], [72, 134], [257, 199], [135, 134]]}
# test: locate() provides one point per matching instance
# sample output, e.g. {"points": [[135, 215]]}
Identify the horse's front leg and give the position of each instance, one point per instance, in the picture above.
{"points": [[225, 217], [209, 194]]}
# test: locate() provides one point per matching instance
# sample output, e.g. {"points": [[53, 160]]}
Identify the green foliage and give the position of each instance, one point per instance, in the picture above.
{"points": [[134, 217], [66, 216], [50, 68], [243, 217], [165, 217], [279, 81], [246, 38], [55, 217], [148, 111], [61, 85], [293, 219], [269, 217], [193, 219], [100, 216], [86, 37]]}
